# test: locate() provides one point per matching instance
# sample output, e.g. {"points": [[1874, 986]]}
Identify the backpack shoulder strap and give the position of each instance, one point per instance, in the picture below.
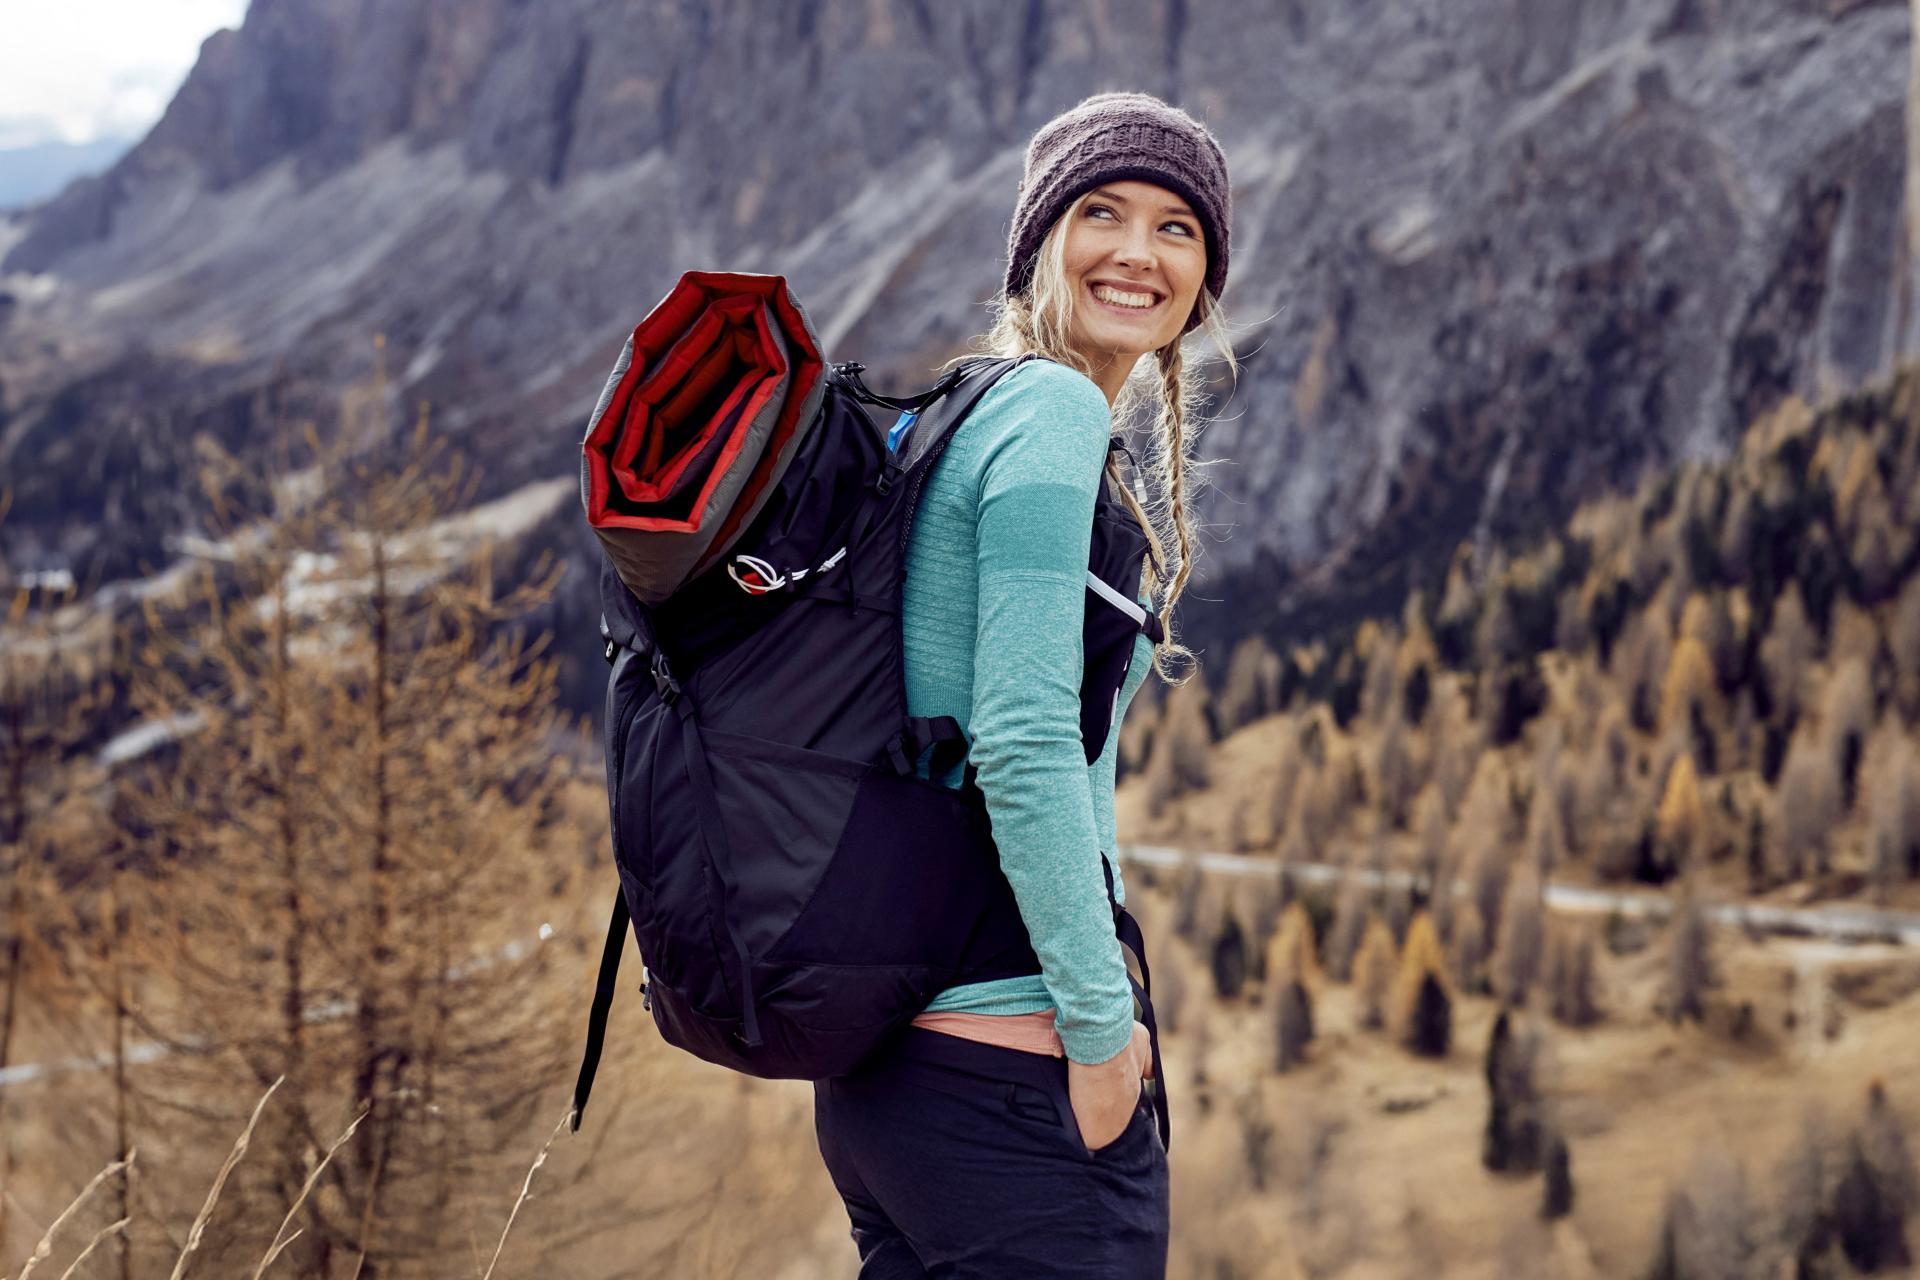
{"points": [[936, 420]]}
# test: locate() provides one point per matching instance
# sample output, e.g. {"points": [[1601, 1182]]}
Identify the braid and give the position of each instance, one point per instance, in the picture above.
{"points": [[1171, 468]]}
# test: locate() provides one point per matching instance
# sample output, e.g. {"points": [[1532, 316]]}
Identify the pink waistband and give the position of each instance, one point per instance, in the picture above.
{"points": [[1029, 1032]]}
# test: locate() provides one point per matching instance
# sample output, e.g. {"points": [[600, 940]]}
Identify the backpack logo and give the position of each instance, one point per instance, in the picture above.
{"points": [[760, 577]]}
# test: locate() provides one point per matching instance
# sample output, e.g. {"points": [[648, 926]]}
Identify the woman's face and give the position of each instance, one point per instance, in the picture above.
{"points": [[1136, 257]]}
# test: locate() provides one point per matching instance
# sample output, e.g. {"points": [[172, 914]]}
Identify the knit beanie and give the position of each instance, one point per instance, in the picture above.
{"points": [[1113, 137]]}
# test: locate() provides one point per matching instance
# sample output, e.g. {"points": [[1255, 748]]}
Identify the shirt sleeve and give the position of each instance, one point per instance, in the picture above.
{"points": [[1044, 449]]}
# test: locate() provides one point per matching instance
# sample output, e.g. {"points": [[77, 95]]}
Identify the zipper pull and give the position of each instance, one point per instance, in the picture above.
{"points": [[646, 998]]}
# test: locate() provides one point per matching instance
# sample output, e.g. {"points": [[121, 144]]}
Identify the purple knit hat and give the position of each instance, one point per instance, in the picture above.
{"points": [[1112, 137]]}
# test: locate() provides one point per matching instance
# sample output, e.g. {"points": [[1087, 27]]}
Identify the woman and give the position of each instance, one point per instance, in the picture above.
{"points": [[1007, 1133]]}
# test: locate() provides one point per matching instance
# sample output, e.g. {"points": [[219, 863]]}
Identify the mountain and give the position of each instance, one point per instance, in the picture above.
{"points": [[1491, 256]]}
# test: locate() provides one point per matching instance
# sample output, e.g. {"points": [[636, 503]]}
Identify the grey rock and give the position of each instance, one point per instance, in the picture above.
{"points": [[1492, 256]]}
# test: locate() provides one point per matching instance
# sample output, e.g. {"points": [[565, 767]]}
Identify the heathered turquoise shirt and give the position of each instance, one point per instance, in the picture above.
{"points": [[992, 612]]}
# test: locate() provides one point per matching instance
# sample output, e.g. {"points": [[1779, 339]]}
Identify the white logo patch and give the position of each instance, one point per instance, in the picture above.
{"points": [[757, 577]]}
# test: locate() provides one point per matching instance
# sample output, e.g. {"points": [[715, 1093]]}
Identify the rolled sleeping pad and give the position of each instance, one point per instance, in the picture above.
{"points": [[706, 406]]}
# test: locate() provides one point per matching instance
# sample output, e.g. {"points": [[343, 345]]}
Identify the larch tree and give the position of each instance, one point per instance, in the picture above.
{"points": [[1903, 639], [1893, 808], [1878, 1190], [53, 693], [1691, 971], [360, 841], [1521, 940], [1373, 972], [1571, 978], [1689, 696], [1681, 822], [1293, 974], [1252, 680], [1806, 807], [1422, 1000], [1786, 654], [1846, 716], [1514, 1140], [1467, 949]]}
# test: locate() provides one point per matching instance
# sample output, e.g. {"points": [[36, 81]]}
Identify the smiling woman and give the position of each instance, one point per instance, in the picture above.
{"points": [[1019, 1126]]}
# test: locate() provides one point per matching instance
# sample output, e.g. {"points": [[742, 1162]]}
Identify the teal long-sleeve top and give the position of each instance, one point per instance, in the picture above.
{"points": [[992, 611]]}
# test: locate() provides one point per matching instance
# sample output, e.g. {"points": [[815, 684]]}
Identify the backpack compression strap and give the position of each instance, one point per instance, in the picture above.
{"points": [[1128, 930], [602, 1004]]}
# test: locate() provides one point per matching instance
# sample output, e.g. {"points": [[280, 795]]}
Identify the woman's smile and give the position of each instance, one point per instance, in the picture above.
{"points": [[1132, 301]]}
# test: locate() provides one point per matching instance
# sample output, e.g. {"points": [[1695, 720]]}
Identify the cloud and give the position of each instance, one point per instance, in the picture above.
{"points": [[77, 70]]}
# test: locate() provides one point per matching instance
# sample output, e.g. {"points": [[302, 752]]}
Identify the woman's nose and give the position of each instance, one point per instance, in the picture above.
{"points": [[1136, 249]]}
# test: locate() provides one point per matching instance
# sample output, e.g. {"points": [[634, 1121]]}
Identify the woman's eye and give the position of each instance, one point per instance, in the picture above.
{"points": [[1101, 208]]}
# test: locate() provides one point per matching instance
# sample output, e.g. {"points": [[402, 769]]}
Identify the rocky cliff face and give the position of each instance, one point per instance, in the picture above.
{"points": [[1490, 255]]}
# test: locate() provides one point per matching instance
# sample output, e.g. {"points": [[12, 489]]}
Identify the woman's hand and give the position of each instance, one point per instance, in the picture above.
{"points": [[1104, 1094]]}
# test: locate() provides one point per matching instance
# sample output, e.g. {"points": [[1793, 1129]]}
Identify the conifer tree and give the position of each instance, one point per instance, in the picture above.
{"points": [[1282, 820], [1893, 808], [1251, 683], [1393, 773], [1681, 823], [1357, 901], [1903, 640], [1806, 808], [1467, 950], [1293, 1023], [1292, 950], [1522, 937], [1710, 1228], [1557, 1193], [1845, 720], [53, 694], [1229, 958], [359, 839], [1373, 973], [1571, 979], [1293, 976], [1688, 693], [1422, 1001], [1878, 1189], [1786, 654], [1547, 829], [1691, 971], [1515, 1137], [1808, 1174]]}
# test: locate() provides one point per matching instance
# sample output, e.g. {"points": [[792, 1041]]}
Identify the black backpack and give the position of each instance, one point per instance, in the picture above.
{"points": [[798, 892]]}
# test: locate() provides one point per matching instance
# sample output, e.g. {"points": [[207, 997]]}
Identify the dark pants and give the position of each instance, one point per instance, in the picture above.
{"points": [[963, 1160]]}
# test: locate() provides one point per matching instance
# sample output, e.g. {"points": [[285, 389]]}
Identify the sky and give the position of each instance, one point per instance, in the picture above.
{"points": [[79, 70]]}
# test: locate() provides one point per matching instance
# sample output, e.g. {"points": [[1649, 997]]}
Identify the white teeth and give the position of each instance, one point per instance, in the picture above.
{"points": [[1107, 294]]}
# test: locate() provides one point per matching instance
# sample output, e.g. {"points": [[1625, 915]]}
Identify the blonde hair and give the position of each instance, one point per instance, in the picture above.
{"points": [[1039, 321]]}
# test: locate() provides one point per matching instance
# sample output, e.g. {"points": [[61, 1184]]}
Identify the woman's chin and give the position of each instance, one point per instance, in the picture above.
{"points": [[1104, 346]]}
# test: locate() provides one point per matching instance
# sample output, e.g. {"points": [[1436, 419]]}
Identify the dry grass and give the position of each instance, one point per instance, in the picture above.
{"points": [[44, 1249], [280, 1238], [526, 1188]]}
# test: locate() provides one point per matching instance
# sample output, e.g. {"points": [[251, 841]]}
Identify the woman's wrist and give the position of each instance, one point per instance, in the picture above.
{"points": [[1110, 1045]]}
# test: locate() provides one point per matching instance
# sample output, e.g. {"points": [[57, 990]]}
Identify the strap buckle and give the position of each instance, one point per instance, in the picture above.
{"points": [[663, 682]]}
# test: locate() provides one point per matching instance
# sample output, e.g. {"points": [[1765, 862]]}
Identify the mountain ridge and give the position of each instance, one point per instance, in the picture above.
{"points": [[1491, 258]]}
